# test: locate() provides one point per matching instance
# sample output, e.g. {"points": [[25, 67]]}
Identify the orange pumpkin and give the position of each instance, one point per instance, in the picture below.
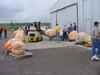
{"points": [[50, 32], [73, 35], [18, 47], [9, 43], [47, 32]]}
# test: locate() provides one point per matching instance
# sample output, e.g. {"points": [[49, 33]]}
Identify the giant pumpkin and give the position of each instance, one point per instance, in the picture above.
{"points": [[81, 37], [50, 32], [19, 34], [73, 35], [16, 45], [88, 41], [8, 44]]}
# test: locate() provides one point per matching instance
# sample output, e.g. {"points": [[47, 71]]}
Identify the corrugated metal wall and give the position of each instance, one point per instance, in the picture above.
{"points": [[88, 12], [53, 19], [62, 3], [96, 10], [87, 16], [67, 16]]}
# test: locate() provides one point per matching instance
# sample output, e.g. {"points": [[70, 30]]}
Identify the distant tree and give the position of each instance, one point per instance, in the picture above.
{"points": [[11, 22]]}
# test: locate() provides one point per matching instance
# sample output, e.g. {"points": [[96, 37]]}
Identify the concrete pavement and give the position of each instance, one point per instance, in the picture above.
{"points": [[51, 58], [70, 60]]}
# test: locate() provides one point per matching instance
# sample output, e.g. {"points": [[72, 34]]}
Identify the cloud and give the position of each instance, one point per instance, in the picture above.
{"points": [[25, 10]]}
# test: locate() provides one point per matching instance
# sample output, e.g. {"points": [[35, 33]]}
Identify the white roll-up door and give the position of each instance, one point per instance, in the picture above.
{"points": [[53, 19], [67, 16]]}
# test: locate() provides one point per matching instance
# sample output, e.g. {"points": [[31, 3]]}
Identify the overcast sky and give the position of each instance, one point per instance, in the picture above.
{"points": [[25, 10]]}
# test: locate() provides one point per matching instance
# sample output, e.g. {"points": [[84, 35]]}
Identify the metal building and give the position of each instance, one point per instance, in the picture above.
{"points": [[83, 12]]}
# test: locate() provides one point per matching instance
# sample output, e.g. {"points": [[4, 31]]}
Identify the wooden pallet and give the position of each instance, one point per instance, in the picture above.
{"points": [[25, 55]]}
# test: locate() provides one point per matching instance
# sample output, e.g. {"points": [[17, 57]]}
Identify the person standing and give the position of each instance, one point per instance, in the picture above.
{"points": [[27, 29], [95, 41], [1, 30], [5, 33], [75, 27], [23, 27], [35, 24], [39, 25], [58, 33], [65, 35], [70, 28]]}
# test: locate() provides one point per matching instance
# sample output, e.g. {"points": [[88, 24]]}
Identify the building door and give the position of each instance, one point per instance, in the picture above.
{"points": [[88, 26], [67, 15], [53, 19]]}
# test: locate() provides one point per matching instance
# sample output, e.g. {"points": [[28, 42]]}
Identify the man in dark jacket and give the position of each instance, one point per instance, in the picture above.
{"points": [[75, 27], [70, 28]]}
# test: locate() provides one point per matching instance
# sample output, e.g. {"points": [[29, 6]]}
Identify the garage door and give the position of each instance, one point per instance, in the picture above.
{"points": [[67, 15], [53, 19]]}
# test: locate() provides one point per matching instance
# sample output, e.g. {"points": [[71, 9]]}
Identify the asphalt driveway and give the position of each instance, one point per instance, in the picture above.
{"points": [[72, 60]]}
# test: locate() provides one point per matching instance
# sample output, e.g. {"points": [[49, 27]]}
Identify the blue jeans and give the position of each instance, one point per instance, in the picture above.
{"points": [[65, 36], [58, 37], [95, 47]]}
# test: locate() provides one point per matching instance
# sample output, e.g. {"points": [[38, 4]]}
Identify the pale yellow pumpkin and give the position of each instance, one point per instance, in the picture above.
{"points": [[81, 37], [88, 41], [19, 35]]}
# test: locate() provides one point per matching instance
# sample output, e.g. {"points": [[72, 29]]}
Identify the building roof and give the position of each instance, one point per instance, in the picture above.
{"points": [[61, 4]]}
